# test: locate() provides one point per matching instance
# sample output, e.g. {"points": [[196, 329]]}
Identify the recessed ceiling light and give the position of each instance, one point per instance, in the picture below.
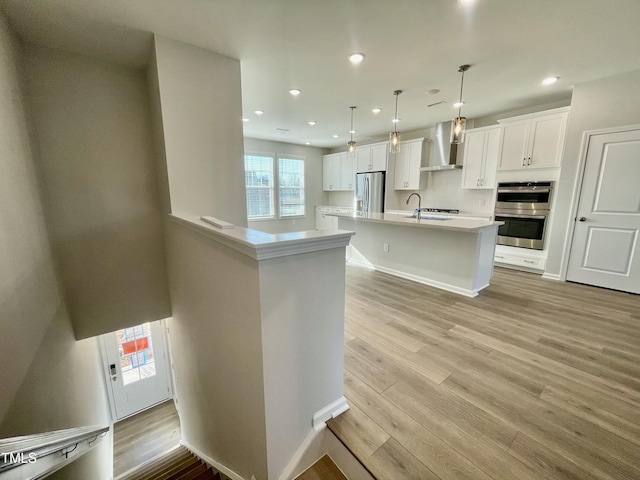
{"points": [[356, 58], [550, 80], [295, 92], [376, 110], [245, 119], [312, 123], [258, 112], [335, 136], [433, 91], [353, 131], [467, 2], [395, 120], [458, 104], [307, 143]]}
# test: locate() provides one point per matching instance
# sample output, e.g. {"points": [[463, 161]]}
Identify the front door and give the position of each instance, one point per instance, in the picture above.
{"points": [[136, 367], [605, 248]]}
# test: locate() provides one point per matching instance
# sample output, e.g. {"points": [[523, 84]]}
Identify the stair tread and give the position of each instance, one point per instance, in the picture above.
{"points": [[173, 469], [155, 465], [176, 464]]}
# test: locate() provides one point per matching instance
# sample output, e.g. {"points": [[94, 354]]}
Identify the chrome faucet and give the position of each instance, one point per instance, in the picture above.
{"points": [[419, 203]]}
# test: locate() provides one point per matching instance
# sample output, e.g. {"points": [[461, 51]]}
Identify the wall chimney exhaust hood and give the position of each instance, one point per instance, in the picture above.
{"points": [[445, 154]]}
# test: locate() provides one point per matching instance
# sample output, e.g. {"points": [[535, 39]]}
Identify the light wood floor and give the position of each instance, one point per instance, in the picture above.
{"points": [[534, 379], [144, 436]]}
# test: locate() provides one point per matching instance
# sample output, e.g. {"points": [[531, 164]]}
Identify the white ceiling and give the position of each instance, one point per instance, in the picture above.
{"points": [[411, 45]]}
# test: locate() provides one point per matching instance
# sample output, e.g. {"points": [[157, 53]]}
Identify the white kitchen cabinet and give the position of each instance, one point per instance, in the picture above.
{"points": [[407, 165], [533, 141], [481, 155], [337, 172], [372, 158], [520, 258]]}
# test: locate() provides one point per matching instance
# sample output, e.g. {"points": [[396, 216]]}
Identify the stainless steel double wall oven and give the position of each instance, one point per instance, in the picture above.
{"points": [[524, 208]]}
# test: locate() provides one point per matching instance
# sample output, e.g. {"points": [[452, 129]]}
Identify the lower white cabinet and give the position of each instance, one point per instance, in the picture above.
{"points": [[481, 155], [520, 258], [407, 165], [324, 221], [338, 172]]}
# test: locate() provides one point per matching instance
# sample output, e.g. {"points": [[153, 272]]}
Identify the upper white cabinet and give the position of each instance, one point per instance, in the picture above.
{"points": [[372, 158], [407, 165], [533, 141], [337, 172], [481, 155]]}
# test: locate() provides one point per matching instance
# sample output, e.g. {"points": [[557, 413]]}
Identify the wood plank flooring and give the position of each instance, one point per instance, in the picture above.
{"points": [[534, 379], [144, 436]]}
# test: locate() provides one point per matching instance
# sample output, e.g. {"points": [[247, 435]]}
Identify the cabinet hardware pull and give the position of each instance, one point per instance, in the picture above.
{"points": [[499, 256], [524, 160], [583, 219], [529, 161], [478, 183], [529, 261]]}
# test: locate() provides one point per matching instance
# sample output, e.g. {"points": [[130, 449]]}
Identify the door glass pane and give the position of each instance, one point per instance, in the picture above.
{"points": [[136, 353]]}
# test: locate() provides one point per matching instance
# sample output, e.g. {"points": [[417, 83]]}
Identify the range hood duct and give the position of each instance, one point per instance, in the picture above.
{"points": [[444, 154]]}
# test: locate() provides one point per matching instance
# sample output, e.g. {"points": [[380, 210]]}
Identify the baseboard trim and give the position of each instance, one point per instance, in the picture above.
{"points": [[330, 411], [551, 276], [311, 437], [432, 283], [215, 464]]}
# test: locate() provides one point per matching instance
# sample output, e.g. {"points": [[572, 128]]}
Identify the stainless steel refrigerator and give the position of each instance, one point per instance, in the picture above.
{"points": [[370, 192]]}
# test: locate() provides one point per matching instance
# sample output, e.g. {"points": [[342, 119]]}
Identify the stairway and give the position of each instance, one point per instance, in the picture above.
{"points": [[177, 464]]}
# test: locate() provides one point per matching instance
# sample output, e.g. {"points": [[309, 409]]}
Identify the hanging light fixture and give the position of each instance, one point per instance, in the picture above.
{"points": [[394, 137], [351, 144], [459, 123]]}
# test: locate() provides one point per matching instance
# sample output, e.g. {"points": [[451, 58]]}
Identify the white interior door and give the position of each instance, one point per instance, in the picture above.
{"points": [[604, 251], [136, 367]]}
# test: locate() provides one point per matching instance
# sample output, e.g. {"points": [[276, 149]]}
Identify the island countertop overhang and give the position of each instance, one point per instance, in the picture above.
{"points": [[456, 224]]}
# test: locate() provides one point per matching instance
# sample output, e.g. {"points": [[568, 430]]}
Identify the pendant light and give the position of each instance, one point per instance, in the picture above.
{"points": [[351, 144], [459, 123], [394, 137]]}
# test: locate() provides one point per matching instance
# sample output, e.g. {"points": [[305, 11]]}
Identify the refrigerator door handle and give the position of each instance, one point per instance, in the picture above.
{"points": [[366, 193]]}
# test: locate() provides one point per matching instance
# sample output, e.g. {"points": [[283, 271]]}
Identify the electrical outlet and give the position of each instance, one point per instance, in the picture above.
{"points": [[385, 247]]}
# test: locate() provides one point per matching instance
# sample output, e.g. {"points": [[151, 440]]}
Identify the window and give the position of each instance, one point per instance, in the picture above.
{"points": [[258, 178], [261, 183], [291, 187]]}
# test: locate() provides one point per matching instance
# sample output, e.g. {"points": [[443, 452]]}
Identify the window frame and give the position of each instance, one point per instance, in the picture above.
{"points": [[275, 165], [273, 187], [282, 156]]}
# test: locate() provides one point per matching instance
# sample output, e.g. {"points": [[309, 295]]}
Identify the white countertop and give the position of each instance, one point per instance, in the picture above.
{"points": [[261, 245], [427, 220]]}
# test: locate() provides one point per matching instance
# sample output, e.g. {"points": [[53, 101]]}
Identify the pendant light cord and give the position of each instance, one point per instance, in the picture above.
{"points": [[462, 68]]}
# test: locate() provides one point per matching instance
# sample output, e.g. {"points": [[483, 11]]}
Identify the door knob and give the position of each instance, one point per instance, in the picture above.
{"points": [[583, 219]]}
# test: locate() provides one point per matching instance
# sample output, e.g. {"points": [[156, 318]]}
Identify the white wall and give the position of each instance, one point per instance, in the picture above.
{"points": [[93, 128], [201, 107], [312, 178], [49, 381], [605, 103], [217, 351], [302, 305]]}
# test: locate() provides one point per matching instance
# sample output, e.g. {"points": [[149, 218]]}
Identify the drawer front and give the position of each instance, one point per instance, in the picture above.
{"points": [[522, 261]]}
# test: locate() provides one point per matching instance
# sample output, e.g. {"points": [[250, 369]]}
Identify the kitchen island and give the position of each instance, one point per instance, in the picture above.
{"points": [[454, 254]]}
